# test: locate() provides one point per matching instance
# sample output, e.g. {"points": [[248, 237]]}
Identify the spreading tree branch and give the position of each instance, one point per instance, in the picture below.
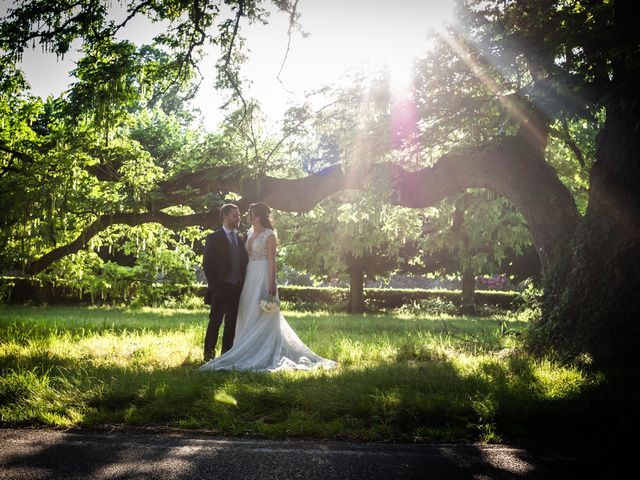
{"points": [[513, 167], [206, 220], [15, 153]]}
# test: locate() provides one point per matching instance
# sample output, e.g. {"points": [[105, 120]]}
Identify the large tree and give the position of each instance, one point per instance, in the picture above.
{"points": [[580, 57], [496, 87]]}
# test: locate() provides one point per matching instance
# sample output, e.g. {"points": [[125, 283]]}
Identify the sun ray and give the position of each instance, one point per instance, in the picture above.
{"points": [[508, 98]]}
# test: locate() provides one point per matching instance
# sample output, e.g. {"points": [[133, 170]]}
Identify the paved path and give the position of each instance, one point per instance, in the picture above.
{"points": [[44, 454]]}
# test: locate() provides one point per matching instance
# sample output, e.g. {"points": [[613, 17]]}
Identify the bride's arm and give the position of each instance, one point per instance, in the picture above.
{"points": [[271, 251]]}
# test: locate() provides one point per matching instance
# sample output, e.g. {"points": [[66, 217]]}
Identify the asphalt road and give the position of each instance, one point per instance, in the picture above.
{"points": [[49, 454]]}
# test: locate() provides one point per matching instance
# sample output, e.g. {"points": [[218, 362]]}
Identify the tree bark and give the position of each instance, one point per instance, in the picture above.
{"points": [[592, 305], [592, 301], [468, 291], [356, 286]]}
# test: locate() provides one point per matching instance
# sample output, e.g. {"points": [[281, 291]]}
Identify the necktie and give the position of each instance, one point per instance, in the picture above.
{"points": [[234, 241]]}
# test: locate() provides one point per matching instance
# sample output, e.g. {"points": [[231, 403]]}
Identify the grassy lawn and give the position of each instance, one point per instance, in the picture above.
{"points": [[401, 377]]}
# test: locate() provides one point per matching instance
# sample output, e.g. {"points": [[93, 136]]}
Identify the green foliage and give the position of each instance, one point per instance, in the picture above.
{"points": [[478, 229], [189, 29], [313, 298], [437, 305], [70, 177], [574, 174], [107, 84], [529, 302], [104, 147], [349, 231], [7, 285], [360, 230], [346, 229], [162, 260]]}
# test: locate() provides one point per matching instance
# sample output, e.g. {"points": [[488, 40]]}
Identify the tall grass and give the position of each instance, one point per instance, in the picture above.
{"points": [[413, 377]]}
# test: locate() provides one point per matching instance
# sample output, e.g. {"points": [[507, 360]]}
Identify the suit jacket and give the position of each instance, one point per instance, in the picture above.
{"points": [[216, 261]]}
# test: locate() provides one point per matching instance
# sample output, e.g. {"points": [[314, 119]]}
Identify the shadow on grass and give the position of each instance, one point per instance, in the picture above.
{"points": [[421, 397], [385, 402]]}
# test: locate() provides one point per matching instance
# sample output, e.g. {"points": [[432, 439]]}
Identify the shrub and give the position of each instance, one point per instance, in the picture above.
{"points": [[528, 303], [140, 293], [384, 299], [436, 305]]}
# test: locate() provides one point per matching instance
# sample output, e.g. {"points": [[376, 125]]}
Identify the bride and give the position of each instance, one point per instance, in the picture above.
{"points": [[264, 341]]}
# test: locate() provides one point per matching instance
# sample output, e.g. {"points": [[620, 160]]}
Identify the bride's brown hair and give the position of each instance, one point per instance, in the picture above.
{"points": [[261, 210]]}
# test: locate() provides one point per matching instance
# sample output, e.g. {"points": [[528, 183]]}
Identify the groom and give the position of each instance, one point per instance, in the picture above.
{"points": [[225, 264]]}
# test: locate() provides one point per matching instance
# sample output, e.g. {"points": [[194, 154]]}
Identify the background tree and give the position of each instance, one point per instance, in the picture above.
{"points": [[478, 231], [352, 236]]}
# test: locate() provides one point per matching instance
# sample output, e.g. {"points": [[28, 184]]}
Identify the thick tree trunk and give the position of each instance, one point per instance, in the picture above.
{"points": [[592, 300], [468, 291], [356, 287], [592, 294]]}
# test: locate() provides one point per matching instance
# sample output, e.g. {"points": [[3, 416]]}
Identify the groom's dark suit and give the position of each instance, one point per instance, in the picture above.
{"points": [[225, 265]]}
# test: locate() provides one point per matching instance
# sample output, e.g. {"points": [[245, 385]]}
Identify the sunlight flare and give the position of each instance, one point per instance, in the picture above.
{"points": [[481, 70]]}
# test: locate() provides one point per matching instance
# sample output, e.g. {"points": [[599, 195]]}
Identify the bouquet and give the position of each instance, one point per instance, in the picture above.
{"points": [[270, 304]]}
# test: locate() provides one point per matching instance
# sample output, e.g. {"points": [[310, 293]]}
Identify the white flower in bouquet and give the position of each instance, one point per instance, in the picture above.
{"points": [[270, 304]]}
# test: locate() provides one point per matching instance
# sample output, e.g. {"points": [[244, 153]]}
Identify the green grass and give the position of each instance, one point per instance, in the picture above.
{"points": [[401, 377]]}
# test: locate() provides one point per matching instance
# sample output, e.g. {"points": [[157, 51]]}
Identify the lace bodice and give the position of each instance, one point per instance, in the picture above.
{"points": [[257, 245]]}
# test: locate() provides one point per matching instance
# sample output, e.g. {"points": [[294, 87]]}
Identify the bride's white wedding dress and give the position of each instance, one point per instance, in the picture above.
{"points": [[264, 341]]}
